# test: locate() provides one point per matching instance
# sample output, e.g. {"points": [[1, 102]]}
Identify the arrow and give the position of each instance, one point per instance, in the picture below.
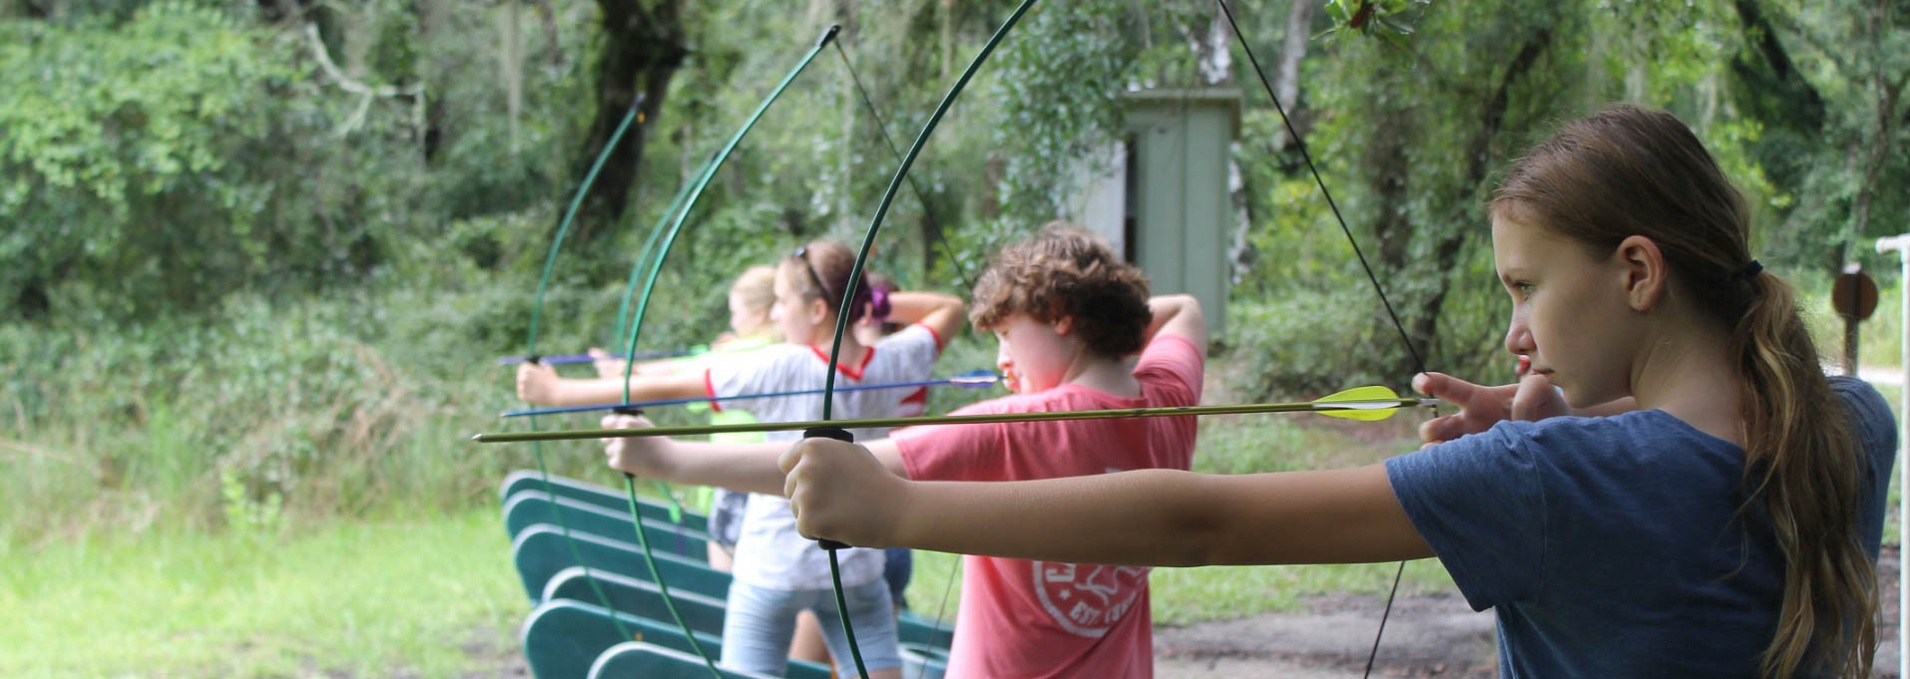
{"points": [[974, 379], [587, 358], [1366, 404]]}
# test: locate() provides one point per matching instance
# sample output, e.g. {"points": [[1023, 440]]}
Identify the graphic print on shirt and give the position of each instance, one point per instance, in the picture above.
{"points": [[1087, 599]]}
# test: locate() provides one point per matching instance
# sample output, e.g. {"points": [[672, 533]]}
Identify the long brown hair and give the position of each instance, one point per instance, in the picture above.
{"points": [[1629, 171]]}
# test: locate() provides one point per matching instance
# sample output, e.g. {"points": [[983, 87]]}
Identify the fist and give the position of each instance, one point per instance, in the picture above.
{"points": [[839, 491]]}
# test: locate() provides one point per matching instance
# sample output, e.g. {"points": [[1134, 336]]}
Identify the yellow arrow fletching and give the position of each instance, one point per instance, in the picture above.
{"points": [[1365, 404]]}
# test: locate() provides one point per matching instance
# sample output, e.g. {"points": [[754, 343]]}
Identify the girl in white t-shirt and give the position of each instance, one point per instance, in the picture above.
{"points": [[777, 572]]}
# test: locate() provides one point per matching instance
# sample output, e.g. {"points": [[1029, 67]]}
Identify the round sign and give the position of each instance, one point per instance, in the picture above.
{"points": [[1854, 296]]}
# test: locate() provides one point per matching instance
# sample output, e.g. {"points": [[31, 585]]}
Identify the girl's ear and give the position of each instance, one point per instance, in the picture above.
{"points": [[1064, 325], [1645, 276], [818, 310]]}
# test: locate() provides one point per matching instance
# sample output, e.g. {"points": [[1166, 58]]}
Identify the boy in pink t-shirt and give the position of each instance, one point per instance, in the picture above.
{"points": [[1067, 313], [1044, 619]]}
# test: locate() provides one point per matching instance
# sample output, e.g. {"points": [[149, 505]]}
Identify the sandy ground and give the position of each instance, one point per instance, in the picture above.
{"points": [[1426, 636]]}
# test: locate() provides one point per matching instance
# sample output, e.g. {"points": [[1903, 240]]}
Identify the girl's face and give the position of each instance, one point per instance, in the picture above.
{"points": [[1570, 311], [798, 317], [1034, 356], [744, 320]]}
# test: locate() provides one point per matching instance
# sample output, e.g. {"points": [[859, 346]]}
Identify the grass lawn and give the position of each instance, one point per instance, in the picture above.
{"points": [[373, 599]]}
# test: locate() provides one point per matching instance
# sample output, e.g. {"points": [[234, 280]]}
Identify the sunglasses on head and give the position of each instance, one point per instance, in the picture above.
{"points": [[802, 253]]}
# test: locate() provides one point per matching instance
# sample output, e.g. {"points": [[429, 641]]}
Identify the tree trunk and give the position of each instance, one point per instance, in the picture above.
{"points": [[1478, 163], [1286, 77], [644, 43], [433, 21]]}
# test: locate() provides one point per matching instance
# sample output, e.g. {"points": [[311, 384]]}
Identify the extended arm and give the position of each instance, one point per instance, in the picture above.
{"points": [[742, 467], [539, 384], [1147, 517]]}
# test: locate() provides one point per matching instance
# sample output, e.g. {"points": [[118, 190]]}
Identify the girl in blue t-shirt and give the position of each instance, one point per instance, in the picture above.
{"points": [[1711, 505]]}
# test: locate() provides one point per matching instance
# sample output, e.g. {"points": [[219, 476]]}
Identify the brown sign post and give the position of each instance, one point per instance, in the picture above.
{"points": [[1854, 296]]}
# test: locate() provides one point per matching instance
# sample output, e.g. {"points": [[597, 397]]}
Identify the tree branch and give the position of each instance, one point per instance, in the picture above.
{"points": [[415, 93]]}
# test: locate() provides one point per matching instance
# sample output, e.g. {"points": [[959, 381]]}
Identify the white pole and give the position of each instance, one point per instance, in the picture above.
{"points": [[1901, 244]]}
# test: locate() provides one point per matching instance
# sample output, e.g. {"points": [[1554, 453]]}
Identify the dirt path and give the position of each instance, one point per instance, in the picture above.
{"points": [[1426, 636]]}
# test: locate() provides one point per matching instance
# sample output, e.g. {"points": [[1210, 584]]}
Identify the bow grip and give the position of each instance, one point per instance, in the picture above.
{"points": [[632, 411], [839, 434]]}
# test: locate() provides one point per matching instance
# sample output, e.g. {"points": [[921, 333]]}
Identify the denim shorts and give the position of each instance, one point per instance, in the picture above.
{"points": [[726, 517], [760, 622], [896, 571]]}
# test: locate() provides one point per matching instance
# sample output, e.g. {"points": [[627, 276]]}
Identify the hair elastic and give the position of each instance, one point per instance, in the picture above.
{"points": [[1748, 271]]}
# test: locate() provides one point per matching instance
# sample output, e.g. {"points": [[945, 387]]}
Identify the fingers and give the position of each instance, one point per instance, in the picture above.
{"points": [[531, 379], [1444, 387], [621, 421], [788, 463], [1441, 430], [1537, 399], [816, 474]]}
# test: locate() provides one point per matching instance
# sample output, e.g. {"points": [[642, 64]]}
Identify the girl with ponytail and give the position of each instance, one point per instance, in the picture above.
{"points": [[1675, 490], [777, 573]]}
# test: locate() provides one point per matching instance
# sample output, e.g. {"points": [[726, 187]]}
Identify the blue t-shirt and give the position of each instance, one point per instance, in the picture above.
{"points": [[1613, 546]]}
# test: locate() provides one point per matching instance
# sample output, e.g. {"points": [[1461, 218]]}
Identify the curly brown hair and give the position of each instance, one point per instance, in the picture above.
{"points": [[1067, 272]]}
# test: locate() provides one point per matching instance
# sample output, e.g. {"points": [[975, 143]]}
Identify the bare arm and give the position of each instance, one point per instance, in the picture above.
{"points": [[1148, 517], [941, 313], [1177, 315], [540, 384], [743, 467]]}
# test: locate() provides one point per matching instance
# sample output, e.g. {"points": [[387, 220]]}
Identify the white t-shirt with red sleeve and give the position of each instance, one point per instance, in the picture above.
{"points": [[1023, 618], [769, 552]]}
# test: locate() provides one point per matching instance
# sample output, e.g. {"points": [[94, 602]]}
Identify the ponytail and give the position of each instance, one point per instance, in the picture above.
{"points": [[1802, 469]]}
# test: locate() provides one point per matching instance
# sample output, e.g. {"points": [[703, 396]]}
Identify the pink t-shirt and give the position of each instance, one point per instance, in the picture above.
{"points": [[1039, 619]]}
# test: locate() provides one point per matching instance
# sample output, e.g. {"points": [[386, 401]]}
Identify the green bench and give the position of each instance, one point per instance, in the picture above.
{"points": [[541, 550], [563, 639], [923, 662], [701, 611], [603, 496], [650, 661], [530, 508]]}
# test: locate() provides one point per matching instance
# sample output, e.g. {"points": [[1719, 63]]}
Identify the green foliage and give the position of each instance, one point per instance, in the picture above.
{"points": [[257, 415], [122, 161], [1390, 20], [1060, 84], [245, 513], [1310, 342]]}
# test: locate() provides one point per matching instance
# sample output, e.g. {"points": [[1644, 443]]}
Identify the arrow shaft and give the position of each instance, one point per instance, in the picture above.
{"points": [[565, 359], [892, 422]]}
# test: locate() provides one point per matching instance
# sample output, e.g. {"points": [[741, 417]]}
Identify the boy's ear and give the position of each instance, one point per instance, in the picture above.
{"points": [[1063, 325], [1646, 277]]}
